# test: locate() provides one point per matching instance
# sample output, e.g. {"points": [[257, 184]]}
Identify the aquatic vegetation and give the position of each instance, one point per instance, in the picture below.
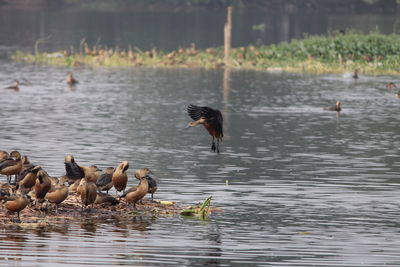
{"points": [[201, 211], [373, 53]]}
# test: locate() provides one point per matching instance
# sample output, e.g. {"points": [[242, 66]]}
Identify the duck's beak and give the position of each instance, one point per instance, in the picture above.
{"points": [[187, 126]]}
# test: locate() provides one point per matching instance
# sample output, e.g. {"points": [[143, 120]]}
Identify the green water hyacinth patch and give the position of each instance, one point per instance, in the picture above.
{"points": [[372, 53]]}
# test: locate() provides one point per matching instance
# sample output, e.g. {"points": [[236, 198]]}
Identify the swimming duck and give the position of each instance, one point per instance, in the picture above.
{"points": [[105, 198], [390, 85], [12, 165], [87, 192], [70, 79], [139, 193], [42, 185], [104, 183], [74, 171], [211, 119], [355, 74], [27, 178], [57, 195], [336, 107], [119, 177], [17, 202], [14, 86]]}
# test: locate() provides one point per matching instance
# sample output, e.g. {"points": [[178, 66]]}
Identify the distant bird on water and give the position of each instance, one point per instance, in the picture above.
{"points": [[355, 74], [211, 119], [70, 79], [336, 107], [14, 86], [390, 85]]}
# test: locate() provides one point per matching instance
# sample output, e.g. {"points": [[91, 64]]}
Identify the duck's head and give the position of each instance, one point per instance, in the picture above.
{"points": [[69, 159], [142, 173], [25, 160], [194, 123], [94, 168], [41, 175], [124, 166], [109, 170], [15, 154]]}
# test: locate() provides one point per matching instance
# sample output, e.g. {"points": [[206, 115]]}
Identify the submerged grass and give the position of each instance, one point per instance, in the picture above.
{"points": [[373, 53]]}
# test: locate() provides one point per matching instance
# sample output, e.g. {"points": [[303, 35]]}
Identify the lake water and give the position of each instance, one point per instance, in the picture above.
{"points": [[298, 185]]}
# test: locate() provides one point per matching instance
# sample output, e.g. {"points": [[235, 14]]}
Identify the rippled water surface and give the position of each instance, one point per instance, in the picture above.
{"points": [[298, 185]]}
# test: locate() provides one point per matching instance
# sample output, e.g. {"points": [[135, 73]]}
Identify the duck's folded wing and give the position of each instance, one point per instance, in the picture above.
{"points": [[104, 179]]}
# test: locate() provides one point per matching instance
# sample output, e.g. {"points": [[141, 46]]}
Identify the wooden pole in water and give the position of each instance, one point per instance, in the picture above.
{"points": [[227, 36]]}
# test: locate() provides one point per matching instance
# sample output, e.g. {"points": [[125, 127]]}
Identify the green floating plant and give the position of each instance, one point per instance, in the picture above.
{"points": [[200, 210]]}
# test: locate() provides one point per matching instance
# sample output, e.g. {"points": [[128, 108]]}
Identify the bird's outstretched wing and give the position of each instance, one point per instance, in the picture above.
{"points": [[197, 112], [212, 116]]}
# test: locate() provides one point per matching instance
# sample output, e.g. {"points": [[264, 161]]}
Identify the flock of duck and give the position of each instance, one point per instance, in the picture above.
{"points": [[33, 182], [337, 107]]}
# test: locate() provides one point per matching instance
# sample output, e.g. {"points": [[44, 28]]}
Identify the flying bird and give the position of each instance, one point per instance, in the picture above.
{"points": [[212, 121]]}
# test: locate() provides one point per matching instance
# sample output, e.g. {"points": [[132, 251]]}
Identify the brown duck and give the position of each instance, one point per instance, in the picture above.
{"points": [[104, 183], [27, 178], [12, 165], [14, 86], [212, 121], [336, 107], [119, 177], [139, 193], [57, 195], [70, 79], [390, 85], [355, 74], [4, 155], [144, 172], [42, 185], [92, 173], [87, 192], [17, 203], [103, 198]]}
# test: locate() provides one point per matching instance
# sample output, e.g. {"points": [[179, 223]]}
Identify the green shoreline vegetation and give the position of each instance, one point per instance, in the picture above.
{"points": [[371, 54]]}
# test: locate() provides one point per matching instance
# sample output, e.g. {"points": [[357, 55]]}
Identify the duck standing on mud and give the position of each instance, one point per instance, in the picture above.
{"points": [[73, 170], [212, 121], [152, 183], [119, 177], [104, 183], [16, 203], [11, 165]]}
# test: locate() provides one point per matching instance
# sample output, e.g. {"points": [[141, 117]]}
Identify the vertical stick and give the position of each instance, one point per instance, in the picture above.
{"points": [[227, 36], [226, 86]]}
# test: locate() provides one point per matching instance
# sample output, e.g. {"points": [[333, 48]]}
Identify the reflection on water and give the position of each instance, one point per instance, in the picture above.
{"points": [[298, 185]]}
